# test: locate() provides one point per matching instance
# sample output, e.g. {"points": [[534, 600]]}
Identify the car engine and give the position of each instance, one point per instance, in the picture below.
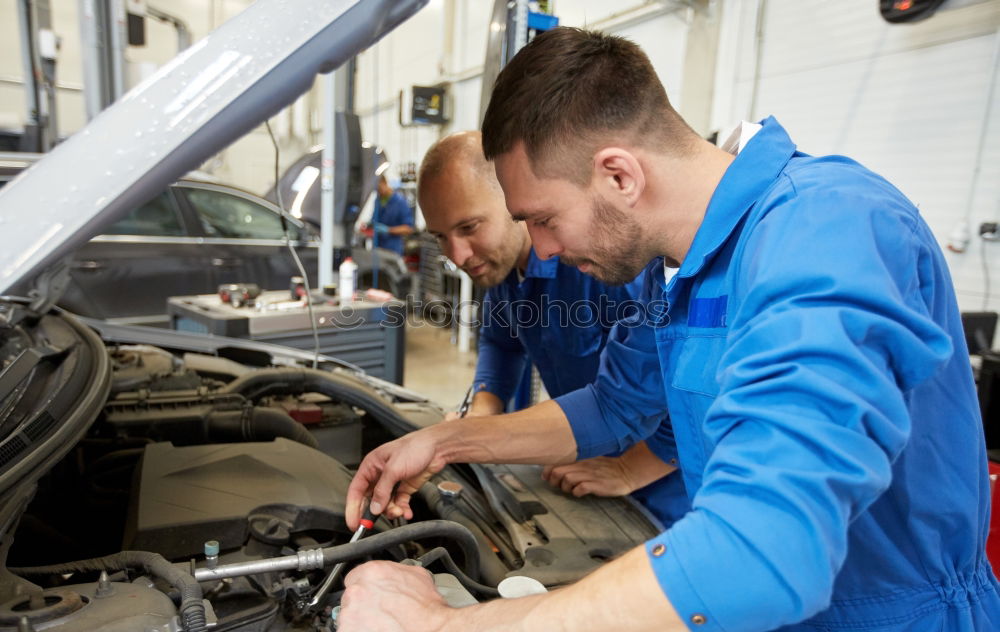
{"points": [[156, 488]]}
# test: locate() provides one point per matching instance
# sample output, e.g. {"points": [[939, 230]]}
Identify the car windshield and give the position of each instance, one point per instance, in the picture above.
{"points": [[157, 217], [225, 215]]}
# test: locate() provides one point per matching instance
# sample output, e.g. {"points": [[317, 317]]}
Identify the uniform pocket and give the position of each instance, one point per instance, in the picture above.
{"points": [[697, 364]]}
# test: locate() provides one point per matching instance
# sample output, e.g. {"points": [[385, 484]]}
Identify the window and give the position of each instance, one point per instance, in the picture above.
{"points": [[229, 216], [158, 217]]}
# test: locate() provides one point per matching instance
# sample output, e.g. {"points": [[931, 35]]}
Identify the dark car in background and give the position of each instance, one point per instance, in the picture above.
{"points": [[190, 239]]}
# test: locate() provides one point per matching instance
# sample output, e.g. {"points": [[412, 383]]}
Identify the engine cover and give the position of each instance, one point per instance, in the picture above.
{"points": [[85, 608], [187, 495]]}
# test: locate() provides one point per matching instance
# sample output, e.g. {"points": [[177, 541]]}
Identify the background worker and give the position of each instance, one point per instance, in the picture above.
{"points": [[392, 218], [536, 312], [812, 356]]}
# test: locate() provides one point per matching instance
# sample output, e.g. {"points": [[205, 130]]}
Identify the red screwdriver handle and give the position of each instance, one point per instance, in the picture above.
{"points": [[368, 519]]}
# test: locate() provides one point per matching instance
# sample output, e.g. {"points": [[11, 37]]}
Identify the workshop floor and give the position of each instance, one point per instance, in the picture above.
{"points": [[434, 366]]}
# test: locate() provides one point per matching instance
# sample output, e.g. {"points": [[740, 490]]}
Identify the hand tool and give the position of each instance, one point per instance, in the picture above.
{"points": [[366, 523]]}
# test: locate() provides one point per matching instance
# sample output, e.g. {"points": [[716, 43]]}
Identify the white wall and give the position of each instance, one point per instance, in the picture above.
{"points": [[69, 75], [446, 44], [248, 163], [422, 51], [908, 101]]}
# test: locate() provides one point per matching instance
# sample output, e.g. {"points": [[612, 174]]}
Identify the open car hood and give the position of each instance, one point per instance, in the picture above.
{"points": [[210, 95]]}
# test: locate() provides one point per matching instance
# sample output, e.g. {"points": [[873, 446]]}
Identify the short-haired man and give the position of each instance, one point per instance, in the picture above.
{"points": [[813, 359], [537, 312], [392, 217]]}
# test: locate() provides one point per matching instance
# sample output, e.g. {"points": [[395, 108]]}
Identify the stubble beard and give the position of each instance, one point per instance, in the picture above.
{"points": [[618, 252], [499, 267]]}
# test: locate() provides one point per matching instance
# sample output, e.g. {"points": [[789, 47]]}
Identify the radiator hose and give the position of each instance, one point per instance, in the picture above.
{"points": [[256, 423], [288, 381]]}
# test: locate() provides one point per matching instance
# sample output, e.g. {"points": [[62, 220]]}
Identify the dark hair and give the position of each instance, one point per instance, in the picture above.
{"points": [[568, 92]]}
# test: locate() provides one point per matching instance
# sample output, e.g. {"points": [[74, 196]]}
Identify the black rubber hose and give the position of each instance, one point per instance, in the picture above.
{"points": [[192, 610], [493, 570], [346, 389], [416, 531], [441, 554], [257, 423]]}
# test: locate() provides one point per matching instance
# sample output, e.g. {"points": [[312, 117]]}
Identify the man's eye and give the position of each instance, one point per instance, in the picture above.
{"points": [[469, 228], [542, 222]]}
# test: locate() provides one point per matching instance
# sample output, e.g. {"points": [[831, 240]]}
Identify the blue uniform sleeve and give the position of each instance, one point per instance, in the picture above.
{"points": [[502, 357], [830, 333], [625, 403]]}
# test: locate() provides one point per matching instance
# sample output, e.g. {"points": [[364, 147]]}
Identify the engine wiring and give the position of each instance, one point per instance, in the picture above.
{"points": [[291, 249]]}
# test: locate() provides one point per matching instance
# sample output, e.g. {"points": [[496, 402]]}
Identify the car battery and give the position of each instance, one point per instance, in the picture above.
{"points": [[367, 334]]}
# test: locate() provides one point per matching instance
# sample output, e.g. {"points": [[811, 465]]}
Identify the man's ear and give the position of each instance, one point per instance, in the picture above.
{"points": [[617, 173]]}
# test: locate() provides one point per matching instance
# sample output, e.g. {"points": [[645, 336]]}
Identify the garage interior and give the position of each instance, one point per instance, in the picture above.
{"points": [[915, 102], [290, 209]]}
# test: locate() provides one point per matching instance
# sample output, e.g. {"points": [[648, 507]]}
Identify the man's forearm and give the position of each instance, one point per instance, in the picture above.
{"points": [[622, 595], [485, 403], [402, 230], [540, 434], [644, 466]]}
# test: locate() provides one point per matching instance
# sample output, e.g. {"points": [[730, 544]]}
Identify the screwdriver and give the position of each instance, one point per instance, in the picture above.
{"points": [[466, 401], [366, 523]]}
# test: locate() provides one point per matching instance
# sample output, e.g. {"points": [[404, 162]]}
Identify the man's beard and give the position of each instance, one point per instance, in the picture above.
{"points": [[493, 275], [499, 265], [617, 253]]}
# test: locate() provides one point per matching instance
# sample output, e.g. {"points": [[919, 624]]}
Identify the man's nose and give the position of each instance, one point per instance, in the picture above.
{"points": [[544, 244], [458, 251]]}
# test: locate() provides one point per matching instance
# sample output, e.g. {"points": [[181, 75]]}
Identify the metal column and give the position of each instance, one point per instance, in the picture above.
{"points": [[38, 52], [335, 239], [103, 33], [328, 236]]}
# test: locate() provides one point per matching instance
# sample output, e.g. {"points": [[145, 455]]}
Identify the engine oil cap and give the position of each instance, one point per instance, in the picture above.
{"points": [[520, 586], [450, 489]]}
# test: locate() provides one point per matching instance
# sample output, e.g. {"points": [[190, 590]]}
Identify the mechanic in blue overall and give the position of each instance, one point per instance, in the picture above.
{"points": [[809, 349], [392, 218], [537, 312]]}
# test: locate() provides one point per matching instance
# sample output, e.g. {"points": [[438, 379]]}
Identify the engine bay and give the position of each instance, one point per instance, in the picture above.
{"points": [[208, 493]]}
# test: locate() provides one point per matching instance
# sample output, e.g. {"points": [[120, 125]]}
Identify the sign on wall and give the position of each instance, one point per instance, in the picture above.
{"points": [[427, 105]]}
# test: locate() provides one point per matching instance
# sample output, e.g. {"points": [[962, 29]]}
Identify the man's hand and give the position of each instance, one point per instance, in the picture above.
{"points": [[392, 473], [609, 476], [483, 404], [389, 597], [385, 596], [601, 476]]}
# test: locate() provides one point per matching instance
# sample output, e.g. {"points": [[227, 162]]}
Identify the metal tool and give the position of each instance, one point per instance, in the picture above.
{"points": [[366, 523], [463, 408]]}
